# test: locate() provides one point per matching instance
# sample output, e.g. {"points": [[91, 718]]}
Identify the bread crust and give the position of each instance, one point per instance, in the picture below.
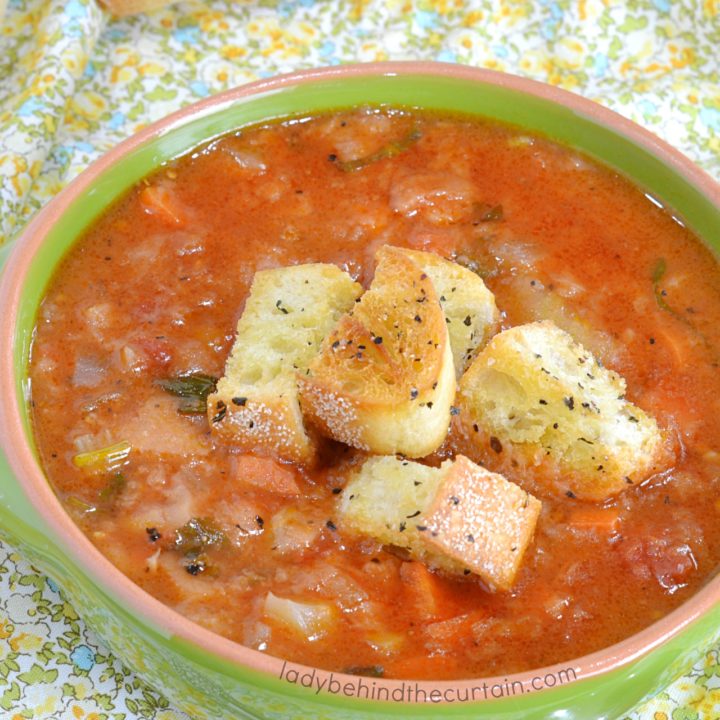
{"points": [[471, 315], [384, 380], [459, 518], [536, 402], [287, 314]]}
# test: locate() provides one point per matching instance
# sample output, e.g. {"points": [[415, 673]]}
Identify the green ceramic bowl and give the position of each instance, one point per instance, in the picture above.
{"points": [[202, 673]]}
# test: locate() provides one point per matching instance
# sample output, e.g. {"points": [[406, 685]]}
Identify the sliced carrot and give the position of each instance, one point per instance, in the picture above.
{"points": [[158, 200], [604, 520], [267, 474], [426, 592]]}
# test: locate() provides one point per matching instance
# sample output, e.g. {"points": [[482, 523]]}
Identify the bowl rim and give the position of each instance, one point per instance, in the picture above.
{"points": [[141, 604]]}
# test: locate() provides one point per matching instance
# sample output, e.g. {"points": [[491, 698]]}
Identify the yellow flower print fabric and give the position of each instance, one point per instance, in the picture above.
{"points": [[74, 82]]}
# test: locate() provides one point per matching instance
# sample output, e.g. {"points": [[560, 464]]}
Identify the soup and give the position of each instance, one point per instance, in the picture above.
{"points": [[139, 320]]}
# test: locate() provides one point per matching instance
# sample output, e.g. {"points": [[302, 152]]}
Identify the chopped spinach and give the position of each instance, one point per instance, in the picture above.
{"points": [[193, 389], [196, 536], [113, 488], [384, 153]]}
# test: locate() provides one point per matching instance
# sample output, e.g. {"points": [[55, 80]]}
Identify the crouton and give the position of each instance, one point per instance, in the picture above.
{"points": [[470, 311], [457, 518], [536, 400], [287, 314], [384, 379]]}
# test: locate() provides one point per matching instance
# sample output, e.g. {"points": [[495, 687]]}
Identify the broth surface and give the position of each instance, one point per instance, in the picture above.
{"points": [[156, 287]]}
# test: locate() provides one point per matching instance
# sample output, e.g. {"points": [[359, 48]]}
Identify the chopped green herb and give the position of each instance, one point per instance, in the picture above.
{"points": [[193, 389], [113, 488], [658, 274], [376, 671], [384, 153], [196, 536]]}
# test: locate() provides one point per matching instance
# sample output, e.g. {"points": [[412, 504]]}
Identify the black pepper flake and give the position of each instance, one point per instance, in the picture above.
{"points": [[423, 276], [476, 427], [454, 410], [586, 441], [153, 534], [240, 401], [195, 567], [402, 526], [466, 571], [377, 340], [221, 412], [415, 514], [278, 305], [667, 500], [330, 525], [417, 319], [495, 444], [467, 321], [454, 499], [260, 522], [555, 426], [513, 548], [569, 402], [336, 344], [332, 157], [652, 341], [470, 538], [251, 424], [416, 483], [414, 393], [542, 402], [421, 528], [628, 480], [570, 494], [430, 404], [633, 419], [336, 490]]}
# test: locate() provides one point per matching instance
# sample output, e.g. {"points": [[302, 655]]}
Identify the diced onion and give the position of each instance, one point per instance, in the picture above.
{"points": [[311, 620]]}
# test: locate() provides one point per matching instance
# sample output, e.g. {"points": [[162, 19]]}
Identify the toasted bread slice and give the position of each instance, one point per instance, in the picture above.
{"points": [[536, 398], [458, 517], [287, 314], [471, 314], [384, 380]]}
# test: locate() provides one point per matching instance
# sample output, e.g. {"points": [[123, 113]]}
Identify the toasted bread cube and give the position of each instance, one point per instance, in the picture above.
{"points": [[458, 517], [471, 314], [536, 399], [287, 314], [384, 380], [480, 519]]}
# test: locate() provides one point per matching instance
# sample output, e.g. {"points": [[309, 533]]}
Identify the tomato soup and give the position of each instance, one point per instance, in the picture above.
{"points": [[151, 296]]}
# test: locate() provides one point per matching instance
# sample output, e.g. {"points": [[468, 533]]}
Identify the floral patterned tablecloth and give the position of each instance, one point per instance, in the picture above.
{"points": [[74, 82]]}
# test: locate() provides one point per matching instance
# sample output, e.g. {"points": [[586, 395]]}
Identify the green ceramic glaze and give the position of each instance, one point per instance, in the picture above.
{"points": [[197, 681]]}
